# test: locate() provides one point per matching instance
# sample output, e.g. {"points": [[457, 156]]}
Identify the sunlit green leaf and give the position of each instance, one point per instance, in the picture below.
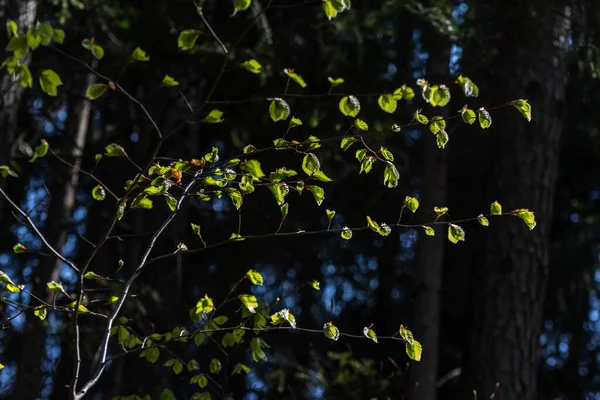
{"points": [[469, 88], [252, 65], [214, 366], [429, 231], [96, 90], [468, 116], [239, 368], [347, 142], [331, 331], [310, 164], [335, 81], [349, 106], [315, 285], [40, 150], [187, 39], [387, 103], [369, 333], [49, 81], [455, 233], [253, 168], [249, 301], [346, 233], [214, 117], [420, 118], [139, 55], [330, 11], [391, 176], [255, 277], [279, 110], [411, 203], [440, 96], [295, 77], [414, 350], [483, 220], [241, 5], [495, 208], [169, 81], [439, 211], [318, 193], [524, 108], [527, 216], [98, 193], [484, 117], [40, 312], [360, 124]]}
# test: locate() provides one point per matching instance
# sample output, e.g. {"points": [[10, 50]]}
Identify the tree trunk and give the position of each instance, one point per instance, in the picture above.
{"points": [[524, 57], [30, 377], [431, 250]]}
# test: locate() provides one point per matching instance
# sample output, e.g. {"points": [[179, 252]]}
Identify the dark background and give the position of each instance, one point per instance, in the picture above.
{"points": [[509, 305]]}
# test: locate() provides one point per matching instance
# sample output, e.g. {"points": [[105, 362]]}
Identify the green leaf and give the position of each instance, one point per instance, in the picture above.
{"points": [[469, 88], [391, 176], [440, 96], [349, 106], [253, 168], [283, 316], [335, 81], [495, 208], [360, 124], [279, 110], [420, 118], [239, 368], [331, 331], [143, 202], [386, 153], [320, 176], [346, 233], [527, 216], [315, 285], [14, 288], [485, 119], [235, 196], [40, 312], [524, 108], [455, 233], [295, 77], [387, 102], [6, 171], [18, 45], [40, 150], [347, 142], [56, 287], [97, 51], [19, 248], [6, 279], [318, 193], [314, 142], [255, 277], [34, 39], [310, 164], [369, 333], [251, 65], [214, 366], [196, 229], [360, 154], [439, 211], [81, 307], [414, 350], [411, 203], [170, 200], [330, 11], [187, 39], [139, 55], [93, 275], [169, 81], [11, 28], [205, 305], [114, 150], [441, 139], [213, 117], [241, 5], [483, 220], [24, 76], [98, 193], [49, 81], [429, 230], [468, 116], [58, 35], [407, 92], [294, 122], [330, 214], [374, 226], [405, 334], [96, 90], [151, 355], [437, 124], [249, 301], [366, 165], [284, 208]]}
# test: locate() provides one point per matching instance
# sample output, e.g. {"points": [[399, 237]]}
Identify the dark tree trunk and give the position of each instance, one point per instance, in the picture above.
{"points": [[521, 55], [431, 250]]}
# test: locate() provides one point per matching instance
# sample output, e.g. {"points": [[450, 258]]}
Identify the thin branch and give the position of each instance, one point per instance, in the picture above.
{"points": [[212, 31], [37, 231]]}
